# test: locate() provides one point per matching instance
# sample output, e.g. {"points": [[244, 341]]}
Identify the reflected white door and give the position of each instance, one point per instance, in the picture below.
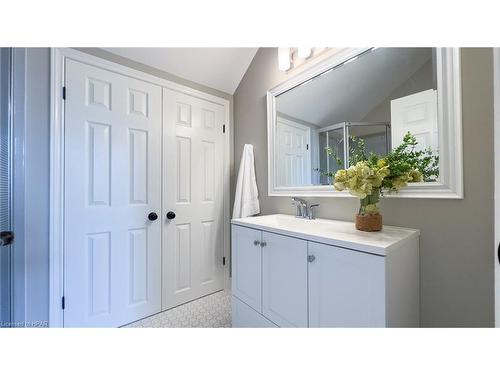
{"points": [[112, 251], [193, 159], [294, 154], [416, 114]]}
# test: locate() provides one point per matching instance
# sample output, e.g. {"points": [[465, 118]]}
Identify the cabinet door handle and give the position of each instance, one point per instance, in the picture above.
{"points": [[311, 258], [263, 244], [256, 243]]}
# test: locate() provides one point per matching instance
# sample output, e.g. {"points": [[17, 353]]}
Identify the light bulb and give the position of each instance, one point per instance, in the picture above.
{"points": [[284, 58], [304, 52]]}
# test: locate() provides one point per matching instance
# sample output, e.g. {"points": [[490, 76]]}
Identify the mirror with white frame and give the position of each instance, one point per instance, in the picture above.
{"points": [[369, 98]]}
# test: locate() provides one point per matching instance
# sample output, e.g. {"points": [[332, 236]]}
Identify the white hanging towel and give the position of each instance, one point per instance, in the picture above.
{"points": [[246, 198]]}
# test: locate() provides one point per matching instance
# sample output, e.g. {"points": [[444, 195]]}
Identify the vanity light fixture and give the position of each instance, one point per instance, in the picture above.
{"points": [[284, 58], [304, 52], [293, 57]]}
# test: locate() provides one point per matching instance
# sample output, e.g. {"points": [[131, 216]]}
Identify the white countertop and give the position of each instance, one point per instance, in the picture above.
{"points": [[331, 232]]}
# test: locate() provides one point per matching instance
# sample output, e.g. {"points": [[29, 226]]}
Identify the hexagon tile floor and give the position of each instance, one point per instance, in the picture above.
{"points": [[212, 311]]}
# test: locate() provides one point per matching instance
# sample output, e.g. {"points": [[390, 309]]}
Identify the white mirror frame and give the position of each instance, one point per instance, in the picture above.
{"points": [[450, 184]]}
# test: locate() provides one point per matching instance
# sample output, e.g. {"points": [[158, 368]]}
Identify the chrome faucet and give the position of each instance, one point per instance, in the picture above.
{"points": [[310, 211], [303, 209], [300, 207]]}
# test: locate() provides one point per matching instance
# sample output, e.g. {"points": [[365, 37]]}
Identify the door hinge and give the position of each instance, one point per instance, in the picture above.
{"points": [[224, 128], [223, 261], [64, 92], [307, 147], [63, 303]]}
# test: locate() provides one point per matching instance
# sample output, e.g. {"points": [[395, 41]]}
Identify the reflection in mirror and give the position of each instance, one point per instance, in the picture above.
{"points": [[372, 100]]}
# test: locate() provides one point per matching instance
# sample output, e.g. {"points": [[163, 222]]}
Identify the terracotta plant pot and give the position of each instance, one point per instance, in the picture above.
{"points": [[369, 222]]}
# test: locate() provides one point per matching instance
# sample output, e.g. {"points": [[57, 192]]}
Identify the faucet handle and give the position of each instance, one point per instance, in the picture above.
{"points": [[300, 207], [310, 211]]}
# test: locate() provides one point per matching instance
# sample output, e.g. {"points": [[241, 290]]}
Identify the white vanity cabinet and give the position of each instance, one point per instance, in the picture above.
{"points": [[346, 288], [247, 266], [270, 276], [284, 280], [290, 272]]}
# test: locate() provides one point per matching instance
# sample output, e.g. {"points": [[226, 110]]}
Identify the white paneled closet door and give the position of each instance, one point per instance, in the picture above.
{"points": [[193, 162], [112, 183]]}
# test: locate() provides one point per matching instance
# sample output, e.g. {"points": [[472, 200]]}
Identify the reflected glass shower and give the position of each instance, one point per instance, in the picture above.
{"points": [[341, 138]]}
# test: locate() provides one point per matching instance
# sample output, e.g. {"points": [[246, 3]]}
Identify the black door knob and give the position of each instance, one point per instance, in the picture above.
{"points": [[6, 238], [170, 215], [152, 216]]}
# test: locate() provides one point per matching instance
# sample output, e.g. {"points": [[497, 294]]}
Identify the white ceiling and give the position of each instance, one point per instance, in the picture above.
{"points": [[351, 91], [218, 68]]}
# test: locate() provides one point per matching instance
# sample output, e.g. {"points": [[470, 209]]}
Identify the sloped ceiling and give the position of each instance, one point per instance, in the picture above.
{"points": [[218, 68], [351, 91]]}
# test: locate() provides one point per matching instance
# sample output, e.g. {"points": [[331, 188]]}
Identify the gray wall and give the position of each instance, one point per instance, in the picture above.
{"points": [[31, 209], [456, 245]]}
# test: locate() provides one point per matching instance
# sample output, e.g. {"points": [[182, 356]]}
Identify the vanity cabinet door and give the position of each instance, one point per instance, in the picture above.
{"points": [[346, 288], [284, 280], [247, 266]]}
